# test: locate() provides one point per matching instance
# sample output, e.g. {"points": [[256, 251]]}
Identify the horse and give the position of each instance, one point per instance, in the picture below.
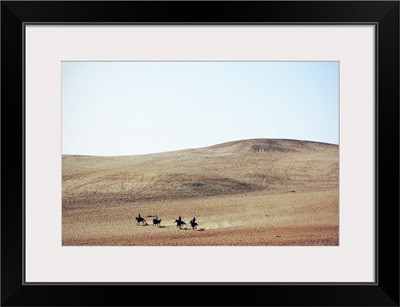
{"points": [[179, 223], [139, 220], [193, 224], [157, 222]]}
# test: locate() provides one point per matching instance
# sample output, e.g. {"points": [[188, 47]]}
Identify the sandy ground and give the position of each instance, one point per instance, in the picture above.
{"points": [[247, 193]]}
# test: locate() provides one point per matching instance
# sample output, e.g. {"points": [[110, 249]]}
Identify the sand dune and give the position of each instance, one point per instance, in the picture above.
{"points": [[248, 192]]}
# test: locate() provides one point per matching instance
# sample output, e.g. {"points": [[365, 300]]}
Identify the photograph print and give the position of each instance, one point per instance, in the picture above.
{"points": [[200, 153]]}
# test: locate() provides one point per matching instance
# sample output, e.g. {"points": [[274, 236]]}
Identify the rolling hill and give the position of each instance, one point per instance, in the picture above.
{"points": [[251, 177]]}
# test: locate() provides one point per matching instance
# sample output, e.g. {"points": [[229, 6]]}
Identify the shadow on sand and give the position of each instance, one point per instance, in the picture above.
{"points": [[188, 228]]}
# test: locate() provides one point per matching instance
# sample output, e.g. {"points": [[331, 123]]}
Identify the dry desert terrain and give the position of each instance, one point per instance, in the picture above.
{"points": [[258, 192]]}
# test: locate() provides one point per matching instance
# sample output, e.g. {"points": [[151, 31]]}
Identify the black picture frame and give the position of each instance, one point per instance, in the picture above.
{"points": [[383, 14]]}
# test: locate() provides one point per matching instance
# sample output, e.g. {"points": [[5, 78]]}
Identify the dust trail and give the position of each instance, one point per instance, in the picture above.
{"points": [[219, 224]]}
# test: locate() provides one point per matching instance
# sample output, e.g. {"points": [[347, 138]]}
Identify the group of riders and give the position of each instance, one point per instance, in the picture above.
{"points": [[157, 221]]}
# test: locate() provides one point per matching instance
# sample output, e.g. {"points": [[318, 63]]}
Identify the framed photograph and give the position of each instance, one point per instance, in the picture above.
{"points": [[242, 153]]}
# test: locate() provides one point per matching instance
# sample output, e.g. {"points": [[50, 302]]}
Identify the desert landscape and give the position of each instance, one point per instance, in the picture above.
{"points": [[255, 192]]}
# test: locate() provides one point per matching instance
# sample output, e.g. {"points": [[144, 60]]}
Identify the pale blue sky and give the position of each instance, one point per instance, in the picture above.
{"points": [[130, 108]]}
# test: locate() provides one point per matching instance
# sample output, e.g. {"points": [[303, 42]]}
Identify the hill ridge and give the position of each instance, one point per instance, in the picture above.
{"points": [[255, 145]]}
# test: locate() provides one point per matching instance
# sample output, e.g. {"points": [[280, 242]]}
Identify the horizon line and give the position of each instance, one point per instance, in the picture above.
{"points": [[194, 148]]}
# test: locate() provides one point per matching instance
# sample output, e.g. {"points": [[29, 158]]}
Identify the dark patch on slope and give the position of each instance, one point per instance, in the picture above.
{"points": [[185, 189], [266, 148], [219, 186]]}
